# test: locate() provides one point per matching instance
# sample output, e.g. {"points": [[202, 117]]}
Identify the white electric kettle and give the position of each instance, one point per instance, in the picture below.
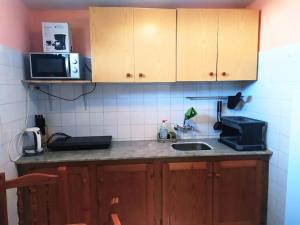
{"points": [[32, 141]]}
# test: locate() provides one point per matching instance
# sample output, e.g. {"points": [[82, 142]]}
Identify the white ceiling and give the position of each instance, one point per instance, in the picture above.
{"points": [[77, 4]]}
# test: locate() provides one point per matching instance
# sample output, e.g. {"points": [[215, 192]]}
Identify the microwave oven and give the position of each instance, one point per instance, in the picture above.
{"points": [[56, 66]]}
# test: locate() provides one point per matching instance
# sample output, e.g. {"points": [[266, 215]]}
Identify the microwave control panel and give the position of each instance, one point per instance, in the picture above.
{"points": [[75, 65]]}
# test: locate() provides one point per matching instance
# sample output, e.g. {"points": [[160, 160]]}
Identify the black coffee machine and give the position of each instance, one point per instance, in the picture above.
{"points": [[59, 43], [243, 134]]}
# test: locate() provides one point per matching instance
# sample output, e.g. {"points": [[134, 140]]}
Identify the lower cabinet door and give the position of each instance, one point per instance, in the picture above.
{"points": [[239, 190], [187, 193], [132, 185], [39, 205], [79, 195]]}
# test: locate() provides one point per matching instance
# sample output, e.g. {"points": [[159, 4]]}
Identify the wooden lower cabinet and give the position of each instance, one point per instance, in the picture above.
{"points": [[133, 186], [158, 193], [239, 192], [45, 199], [187, 193], [215, 193], [79, 194]]}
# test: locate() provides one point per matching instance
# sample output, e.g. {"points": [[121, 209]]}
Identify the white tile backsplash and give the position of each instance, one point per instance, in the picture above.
{"points": [[119, 109]]}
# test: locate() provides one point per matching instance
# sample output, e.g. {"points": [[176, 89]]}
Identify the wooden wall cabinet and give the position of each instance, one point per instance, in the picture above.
{"points": [[197, 49], [217, 45], [139, 45], [133, 44], [112, 44]]}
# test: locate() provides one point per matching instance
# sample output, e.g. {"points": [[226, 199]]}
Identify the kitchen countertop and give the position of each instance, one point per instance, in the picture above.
{"points": [[139, 150]]}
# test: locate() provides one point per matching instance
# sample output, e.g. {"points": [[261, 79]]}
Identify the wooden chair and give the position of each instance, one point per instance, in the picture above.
{"points": [[34, 180], [115, 219], [113, 216]]}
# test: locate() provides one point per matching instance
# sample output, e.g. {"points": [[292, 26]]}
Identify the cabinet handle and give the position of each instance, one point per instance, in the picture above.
{"points": [[209, 175], [224, 74], [84, 180], [217, 174], [129, 75], [211, 74], [141, 75]]}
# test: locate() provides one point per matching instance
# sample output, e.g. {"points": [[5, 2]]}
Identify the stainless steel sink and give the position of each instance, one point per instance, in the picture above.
{"points": [[191, 146]]}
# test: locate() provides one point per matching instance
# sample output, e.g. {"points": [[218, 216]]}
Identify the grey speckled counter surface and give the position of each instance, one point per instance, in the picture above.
{"points": [[135, 150]]}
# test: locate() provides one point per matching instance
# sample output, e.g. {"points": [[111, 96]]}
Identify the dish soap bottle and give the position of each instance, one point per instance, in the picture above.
{"points": [[163, 131]]}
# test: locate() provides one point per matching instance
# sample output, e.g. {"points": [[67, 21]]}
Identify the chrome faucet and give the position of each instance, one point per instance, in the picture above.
{"points": [[190, 113], [184, 128]]}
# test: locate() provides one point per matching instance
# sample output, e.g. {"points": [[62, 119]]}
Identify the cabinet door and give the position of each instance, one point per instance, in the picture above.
{"points": [[238, 44], [79, 194], [187, 193], [133, 186], [112, 44], [155, 45], [239, 191], [44, 198], [197, 32]]}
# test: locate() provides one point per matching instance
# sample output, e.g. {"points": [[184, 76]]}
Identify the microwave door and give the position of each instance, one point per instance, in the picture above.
{"points": [[49, 66]]}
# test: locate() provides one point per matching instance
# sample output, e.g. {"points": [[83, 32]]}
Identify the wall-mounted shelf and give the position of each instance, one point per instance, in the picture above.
{"points": [[57, 81], [48, 86]]}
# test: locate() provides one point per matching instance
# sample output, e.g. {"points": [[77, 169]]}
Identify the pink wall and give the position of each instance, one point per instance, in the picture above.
{"points": [[279, 25], [77, 19], [13, 24], [279, 22]]}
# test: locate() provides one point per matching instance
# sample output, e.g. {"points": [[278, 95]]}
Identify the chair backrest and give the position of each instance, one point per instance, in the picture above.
{"points": [[32, 180], [113, 215], [115, 219]]}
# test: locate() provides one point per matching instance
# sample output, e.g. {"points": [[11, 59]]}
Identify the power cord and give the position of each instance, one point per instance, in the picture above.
{"points": [[55, 135], [74, 99], [67, 99], [17, 140]]}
